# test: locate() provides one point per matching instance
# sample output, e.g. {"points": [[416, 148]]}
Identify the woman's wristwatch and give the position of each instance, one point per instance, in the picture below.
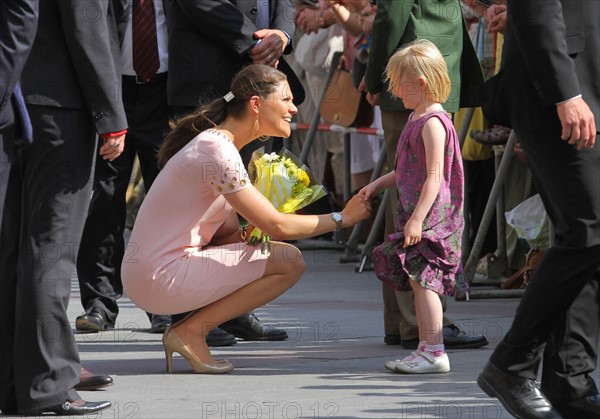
{"points": [[337, 217]]}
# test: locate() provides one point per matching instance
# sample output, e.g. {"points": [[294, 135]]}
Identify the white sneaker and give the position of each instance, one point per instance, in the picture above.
{"points": [[428, 364], [391, 365]]}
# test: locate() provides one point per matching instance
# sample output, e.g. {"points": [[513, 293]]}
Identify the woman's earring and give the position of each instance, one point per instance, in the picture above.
{"points": [[256, 126], [262, 138]]}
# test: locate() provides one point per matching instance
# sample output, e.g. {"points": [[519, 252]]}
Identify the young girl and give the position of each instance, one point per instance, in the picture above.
{"points": [[424, 253]]}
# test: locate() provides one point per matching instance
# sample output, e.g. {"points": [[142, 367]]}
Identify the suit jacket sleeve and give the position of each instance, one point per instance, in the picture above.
{"points": [[388, 28], [221, 21], [541, 35], [18, 25], [90, 34], [283, 18]]}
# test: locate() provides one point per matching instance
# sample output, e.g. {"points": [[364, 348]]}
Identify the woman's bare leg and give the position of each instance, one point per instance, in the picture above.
{"points": [[284, 268]]}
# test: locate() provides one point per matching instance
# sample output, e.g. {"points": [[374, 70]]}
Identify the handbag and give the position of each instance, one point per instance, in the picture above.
{"points": [[521, 278], [343, 104]]}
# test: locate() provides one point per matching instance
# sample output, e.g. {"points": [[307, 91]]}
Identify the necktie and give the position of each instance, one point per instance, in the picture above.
{"points": [[262, 14], [145, 46]]}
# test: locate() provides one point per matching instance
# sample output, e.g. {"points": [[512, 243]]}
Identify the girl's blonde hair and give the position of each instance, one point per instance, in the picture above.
{"points": [[420, 58]]}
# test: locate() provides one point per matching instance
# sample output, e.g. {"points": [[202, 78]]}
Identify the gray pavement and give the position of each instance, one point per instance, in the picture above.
{"points": [[331, 366]]}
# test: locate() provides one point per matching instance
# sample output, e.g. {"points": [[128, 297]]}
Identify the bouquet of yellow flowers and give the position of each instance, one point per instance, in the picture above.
{"points": [[285, 181]]}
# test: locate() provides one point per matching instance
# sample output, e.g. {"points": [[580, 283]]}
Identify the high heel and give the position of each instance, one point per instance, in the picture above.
{"points": [[172, 343]]}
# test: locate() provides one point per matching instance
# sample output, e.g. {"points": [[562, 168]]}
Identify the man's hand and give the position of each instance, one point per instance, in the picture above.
{"points": [[578, 124], [310, 20], [112, 147], [367, 23], [372, 98], [270, 48], [495, 18]]}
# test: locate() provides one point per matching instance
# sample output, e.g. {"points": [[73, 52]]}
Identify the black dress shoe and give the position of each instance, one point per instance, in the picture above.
{"points": [[248, 327], [393, 340], [89, 381], [586, 408], [75, 408], [93, 320], [160, 323], [454, 338], [219, 337], [8, 411], [521, 397]]}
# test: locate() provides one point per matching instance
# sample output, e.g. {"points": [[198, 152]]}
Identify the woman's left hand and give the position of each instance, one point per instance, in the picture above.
{"points": [[412, 232]]}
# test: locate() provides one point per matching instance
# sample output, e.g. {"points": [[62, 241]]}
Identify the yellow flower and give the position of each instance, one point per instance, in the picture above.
{"points": [[285, 182]]}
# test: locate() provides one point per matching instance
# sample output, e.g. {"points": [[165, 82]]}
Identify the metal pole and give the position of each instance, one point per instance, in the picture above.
{"points": [[462, 135], [489, 208], [378, 224], [312, 130], [352, 243], [464, 128]]}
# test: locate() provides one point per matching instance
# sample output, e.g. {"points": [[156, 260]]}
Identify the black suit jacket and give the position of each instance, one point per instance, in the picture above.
{"points": [[209, 41], [74, 60], [551, 53], [18, 24]]}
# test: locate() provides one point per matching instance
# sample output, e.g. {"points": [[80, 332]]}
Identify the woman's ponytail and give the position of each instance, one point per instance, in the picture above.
{"points": [[186, 128]]}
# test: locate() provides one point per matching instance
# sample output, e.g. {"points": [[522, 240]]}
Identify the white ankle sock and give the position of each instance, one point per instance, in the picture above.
{"points": [[421, 347]]}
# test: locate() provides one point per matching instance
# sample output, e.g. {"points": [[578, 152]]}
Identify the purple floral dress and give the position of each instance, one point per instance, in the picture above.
{"points": [[434, 262]]}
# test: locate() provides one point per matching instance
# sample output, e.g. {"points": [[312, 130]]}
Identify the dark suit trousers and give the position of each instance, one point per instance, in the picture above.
{"points": [[571, 353], [47, 199], [6, 151], [569, 184], [102, 245]]}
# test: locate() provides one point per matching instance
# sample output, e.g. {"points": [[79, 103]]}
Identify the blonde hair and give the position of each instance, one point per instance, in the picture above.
{"points": [[420, 58]]}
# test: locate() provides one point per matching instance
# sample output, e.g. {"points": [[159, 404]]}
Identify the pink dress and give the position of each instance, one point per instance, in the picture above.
{"points": [[168, 267], [434, 262]]}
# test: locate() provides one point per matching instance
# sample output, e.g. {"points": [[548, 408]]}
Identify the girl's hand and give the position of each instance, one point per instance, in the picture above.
{"points": [[412, 232], [367, 192]]}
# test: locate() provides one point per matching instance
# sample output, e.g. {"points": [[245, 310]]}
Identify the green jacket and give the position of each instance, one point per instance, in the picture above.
{"points": [[399, 22]]}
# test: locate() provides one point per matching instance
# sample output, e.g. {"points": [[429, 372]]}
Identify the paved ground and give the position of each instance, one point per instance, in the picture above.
{"points": [[331, 366]]}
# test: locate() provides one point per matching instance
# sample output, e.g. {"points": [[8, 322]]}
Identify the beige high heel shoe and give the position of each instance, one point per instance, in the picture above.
{"points": [[172, 343]]}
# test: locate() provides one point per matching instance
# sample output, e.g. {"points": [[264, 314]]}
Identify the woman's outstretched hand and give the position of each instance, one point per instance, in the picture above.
{"points": [[357, 209]]}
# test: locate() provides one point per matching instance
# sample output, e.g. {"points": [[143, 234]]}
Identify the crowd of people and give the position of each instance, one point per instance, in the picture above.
{"points": [[191, 88]]}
